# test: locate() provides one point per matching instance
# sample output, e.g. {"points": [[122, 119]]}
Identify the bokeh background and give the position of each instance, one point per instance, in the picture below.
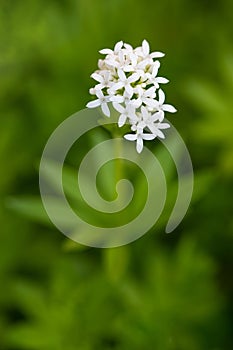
{"points": [[163, 292]]}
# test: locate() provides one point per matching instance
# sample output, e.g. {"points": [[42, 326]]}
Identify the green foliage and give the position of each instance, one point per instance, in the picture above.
{"points": [[169, 307], [163, 292], [216, 127]]}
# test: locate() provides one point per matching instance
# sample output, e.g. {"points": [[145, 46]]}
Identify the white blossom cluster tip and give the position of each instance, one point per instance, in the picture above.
{"points": [[128, 78]]}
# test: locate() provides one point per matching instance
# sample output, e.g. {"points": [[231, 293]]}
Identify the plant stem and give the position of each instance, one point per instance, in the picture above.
{"points": [[119, 165]]}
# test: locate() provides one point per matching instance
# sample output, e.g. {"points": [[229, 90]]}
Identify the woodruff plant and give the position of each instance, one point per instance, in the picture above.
{"points": [[128, 78]]}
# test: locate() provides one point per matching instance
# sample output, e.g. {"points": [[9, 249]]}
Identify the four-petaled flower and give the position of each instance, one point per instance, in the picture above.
{"points": [[139, 137], [125, 112], [125, 82], [100, 101], [161, 107]]}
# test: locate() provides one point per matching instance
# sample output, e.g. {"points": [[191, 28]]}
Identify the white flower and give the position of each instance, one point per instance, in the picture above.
{"points": [[148, 119], [125, 112], [104, 79], [133, 63], [156, 129], [151, 122], [139, 137], [125, 82], [116, 61], [116, 49], [161, 107], [100, 101], [145, 96], [128, 79], [152, 78]]}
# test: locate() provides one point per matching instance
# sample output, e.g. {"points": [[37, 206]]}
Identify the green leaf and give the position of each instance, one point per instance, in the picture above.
{"points": [[30, 206]]}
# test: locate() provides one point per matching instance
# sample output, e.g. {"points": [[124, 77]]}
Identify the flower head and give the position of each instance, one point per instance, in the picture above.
{"points": [[128, 78]]}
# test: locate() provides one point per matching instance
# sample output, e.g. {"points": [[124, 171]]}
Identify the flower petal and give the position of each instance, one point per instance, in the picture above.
{"points": [[156, 116], [99, 87], [150, 102], [99, 94], [136, 102], [157, 54], [145, 112], [97, 77], [161, 80], [169, 108], [148, 136], [117, 86], [155, 69], [133, 59], [118, 46], [134, 77], [119, 108], [145, 48], [129, 68], [106, 52], [112, 63], [121, 74], [143, 64], [128, 47], [161, 115], [130, 137], [93, 104], [122, 120], [105, 109], [117, 99], [129, 90], [160, 134], [161, 97], [164, 126], [139, 146], [150, 92]]}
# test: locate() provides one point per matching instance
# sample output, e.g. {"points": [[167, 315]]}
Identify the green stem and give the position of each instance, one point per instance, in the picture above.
{"points": [[119, 167]]}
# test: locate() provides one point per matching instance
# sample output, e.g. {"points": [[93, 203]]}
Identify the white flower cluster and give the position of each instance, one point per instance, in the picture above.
{"points": [[128, 79]]}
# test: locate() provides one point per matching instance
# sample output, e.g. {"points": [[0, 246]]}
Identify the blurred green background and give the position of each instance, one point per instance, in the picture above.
{"points": [[163, 292]]}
